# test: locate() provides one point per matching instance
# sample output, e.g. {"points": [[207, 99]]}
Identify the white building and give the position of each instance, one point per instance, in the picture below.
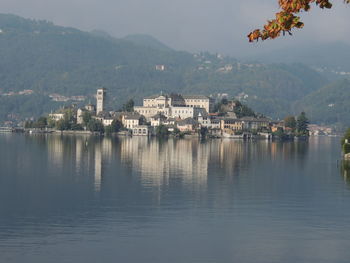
{"points": [[182, 112], [175, 106], [56, 116], [130, 121], [140, 130], [158, 120]]}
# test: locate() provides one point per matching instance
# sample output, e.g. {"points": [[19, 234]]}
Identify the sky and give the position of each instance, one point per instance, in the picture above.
{"points": [[218, 26]]}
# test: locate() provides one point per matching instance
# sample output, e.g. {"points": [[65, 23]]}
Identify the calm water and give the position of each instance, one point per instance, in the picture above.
{"points": [[91, 199]]}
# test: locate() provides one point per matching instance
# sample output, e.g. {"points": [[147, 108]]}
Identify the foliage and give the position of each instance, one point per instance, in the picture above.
{"points": [[287, 18], [129, 106], [242, 110], [76, 127], [162, 131], [41, 123], [86, 117], [346, 148], [114, 127], [281, 135], [290, 122], [329, 104], [302, 125], [95, 126], [203, 132], [346, 137], [63, 124]]}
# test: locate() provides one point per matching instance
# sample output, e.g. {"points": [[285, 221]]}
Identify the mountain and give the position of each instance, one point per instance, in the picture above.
{"points": [[332, 56], [147, 41], [329, 104], [49, 59]]}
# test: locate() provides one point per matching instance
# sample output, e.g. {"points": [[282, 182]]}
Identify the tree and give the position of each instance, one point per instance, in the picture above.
{"points": [[116, 125], [143, 120], [62, 125], [76, 127], [51, 122], [287, 18], [242, 110], [346, 137], [162, 131], [41, 123], [203, 132], [129, 106], [86, 117], [28, 124], [302, 125], [95, 126], [290, 122]]}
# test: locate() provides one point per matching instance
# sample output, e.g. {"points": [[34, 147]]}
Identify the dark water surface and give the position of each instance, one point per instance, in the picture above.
{"points": [[91, 199]]}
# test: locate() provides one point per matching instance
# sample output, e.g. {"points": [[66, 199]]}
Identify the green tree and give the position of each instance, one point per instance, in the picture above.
{"points": [[69, 116], [116, 125], [346, 137], [143, 120], [129, 106], [290, 122], [203, 132], [242, 110], [28, 124], [63, 125], [41, 122], [86, 117], [302, 125], [95, 126], [162, 131], [51, 122], [76, 127]]}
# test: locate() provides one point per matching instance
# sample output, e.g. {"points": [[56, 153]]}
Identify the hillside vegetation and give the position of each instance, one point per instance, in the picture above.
{"points": [[47, 59], [329, 104]]}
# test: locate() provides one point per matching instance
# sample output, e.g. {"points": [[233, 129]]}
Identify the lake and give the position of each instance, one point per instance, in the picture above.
{"points": [[94, 199]]}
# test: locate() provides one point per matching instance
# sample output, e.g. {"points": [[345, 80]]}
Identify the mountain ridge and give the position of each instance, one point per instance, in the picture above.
{"points": [[45, 58]]}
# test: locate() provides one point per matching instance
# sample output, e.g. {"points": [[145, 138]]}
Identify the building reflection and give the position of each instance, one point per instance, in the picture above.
{"points": [[157, 161], [162, 163]]}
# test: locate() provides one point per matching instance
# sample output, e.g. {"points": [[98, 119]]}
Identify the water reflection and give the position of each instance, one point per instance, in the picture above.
{"points": [[345, 169], [63, 186]]}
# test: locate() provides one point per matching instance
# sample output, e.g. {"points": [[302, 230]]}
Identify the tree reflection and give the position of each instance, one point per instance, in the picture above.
{"points": [[345, 170]]}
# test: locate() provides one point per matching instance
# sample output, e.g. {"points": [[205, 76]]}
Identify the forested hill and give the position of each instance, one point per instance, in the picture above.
{"points": [[45, 58]]}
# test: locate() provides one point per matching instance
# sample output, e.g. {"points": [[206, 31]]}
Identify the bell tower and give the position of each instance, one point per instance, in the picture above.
{"points": [[100, 100]]}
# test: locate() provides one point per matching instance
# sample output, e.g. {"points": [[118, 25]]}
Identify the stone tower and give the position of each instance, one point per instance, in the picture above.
{"points": [[100, 100]]}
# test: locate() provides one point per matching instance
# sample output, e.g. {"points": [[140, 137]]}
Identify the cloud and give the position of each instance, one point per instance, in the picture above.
{"points": [[214, 25]]}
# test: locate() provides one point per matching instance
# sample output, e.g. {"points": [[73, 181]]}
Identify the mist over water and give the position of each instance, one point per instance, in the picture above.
{"points": [[95, 199]]}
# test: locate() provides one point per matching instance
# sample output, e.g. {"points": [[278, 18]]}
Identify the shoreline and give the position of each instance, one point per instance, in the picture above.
{"points": [[127, 134]]}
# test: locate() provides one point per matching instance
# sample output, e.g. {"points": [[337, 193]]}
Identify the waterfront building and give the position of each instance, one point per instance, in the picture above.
{"points": [[231, 124], [130, 121], [56, 116], [252, 123], [140, 130], [158, 120], [187, 125]]}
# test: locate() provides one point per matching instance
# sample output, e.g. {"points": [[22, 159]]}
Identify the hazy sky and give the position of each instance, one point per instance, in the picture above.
{"points": [[193, 25]]}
